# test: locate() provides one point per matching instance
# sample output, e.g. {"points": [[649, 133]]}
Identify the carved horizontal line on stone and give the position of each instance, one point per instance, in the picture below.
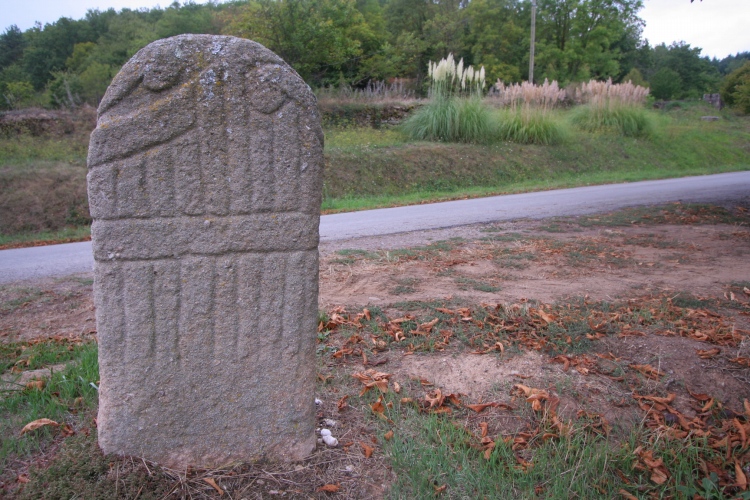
{"points": [[144, 239], [122, 136], [117, 258]]}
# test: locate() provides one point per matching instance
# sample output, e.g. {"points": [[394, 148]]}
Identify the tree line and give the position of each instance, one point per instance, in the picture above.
{"points": [[353, 42]]}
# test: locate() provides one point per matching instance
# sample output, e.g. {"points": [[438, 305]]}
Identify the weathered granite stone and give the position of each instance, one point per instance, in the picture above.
{"points": [[205, 174]]}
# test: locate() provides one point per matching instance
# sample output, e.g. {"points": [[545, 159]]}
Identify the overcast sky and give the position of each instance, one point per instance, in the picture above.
{"points": [[719, 27]]}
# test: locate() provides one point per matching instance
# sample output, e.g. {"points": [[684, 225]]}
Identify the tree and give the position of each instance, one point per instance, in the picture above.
{"points": [[735, 91], [17, 92], [12, 44], [697, 74], [498, 39], [190, 18], [321, 39], [635, 77], [49, 48], [582, 39], [666, 84]]}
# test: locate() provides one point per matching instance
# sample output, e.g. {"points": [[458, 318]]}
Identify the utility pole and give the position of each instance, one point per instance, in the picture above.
{"points": [[533, 37]]}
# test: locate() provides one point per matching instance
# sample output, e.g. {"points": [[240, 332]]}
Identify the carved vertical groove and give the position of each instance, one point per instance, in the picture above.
{"points": [[286, 157], [167, 311], [187, 176], [213, 144], [160, 181], [225, 313], [249, 290], [139, 314], [196, 320], [261, 161], [238, 151]]}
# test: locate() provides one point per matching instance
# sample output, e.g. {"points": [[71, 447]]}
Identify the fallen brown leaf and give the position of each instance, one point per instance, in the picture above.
{"points": [[648, 371], [330, 488], [659, 476], [35, 385], [741, 477], [210, 481], [37, 424], [342, 403], [708, 353], [626, 495], [366, 449], [377, 406]]}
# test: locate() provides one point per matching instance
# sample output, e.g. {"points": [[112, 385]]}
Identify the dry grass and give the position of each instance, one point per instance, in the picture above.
{"points": [[546, 96], [608, 94], [399, 90]]}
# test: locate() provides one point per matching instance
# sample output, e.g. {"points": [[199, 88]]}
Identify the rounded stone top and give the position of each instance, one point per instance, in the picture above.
{"points": [[205, 61]]}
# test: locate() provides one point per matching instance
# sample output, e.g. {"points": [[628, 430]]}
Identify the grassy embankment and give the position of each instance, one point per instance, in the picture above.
{"points": [[367, 169], [43, 192]]}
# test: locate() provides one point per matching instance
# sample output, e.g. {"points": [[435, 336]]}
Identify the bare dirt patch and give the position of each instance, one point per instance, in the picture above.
{"points": [[49, 308], [526, 260]]}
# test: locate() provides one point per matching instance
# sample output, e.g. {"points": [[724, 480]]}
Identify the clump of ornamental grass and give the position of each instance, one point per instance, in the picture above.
{"points": [[530, 125], [617, 107], [528, 115], [546, 96], [455, 112]]}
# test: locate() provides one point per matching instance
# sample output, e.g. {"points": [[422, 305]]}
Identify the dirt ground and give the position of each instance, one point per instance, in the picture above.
{"points": [[608, 258], [545, 261], [639, 256]]}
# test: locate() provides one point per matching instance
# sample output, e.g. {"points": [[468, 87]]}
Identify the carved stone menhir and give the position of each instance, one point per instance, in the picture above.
{"points": [[205, 174]]}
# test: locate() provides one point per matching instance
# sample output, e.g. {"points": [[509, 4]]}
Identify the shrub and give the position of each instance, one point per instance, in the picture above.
{"points": [[630, 121], [666, 84], [529, 125], [457, 119], [735, 91], [613, 107], [528, 119], [608, 94], [455, 112], [547, 95]]}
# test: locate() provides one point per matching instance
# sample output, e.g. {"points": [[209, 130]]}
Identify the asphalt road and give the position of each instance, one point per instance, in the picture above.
{"points": [[72, 258]]}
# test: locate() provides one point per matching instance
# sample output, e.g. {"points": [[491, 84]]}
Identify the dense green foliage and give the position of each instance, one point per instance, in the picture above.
{"points": [[736, 88], [353, 42]]}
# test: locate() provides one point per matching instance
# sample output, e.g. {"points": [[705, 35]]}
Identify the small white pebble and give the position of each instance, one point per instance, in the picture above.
{"points": [[330, 441], [325, 432], [318, 402], [329, 422]]}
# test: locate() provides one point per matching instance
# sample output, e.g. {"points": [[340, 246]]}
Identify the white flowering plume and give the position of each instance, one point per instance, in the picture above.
{"points": [[449, 78]]}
